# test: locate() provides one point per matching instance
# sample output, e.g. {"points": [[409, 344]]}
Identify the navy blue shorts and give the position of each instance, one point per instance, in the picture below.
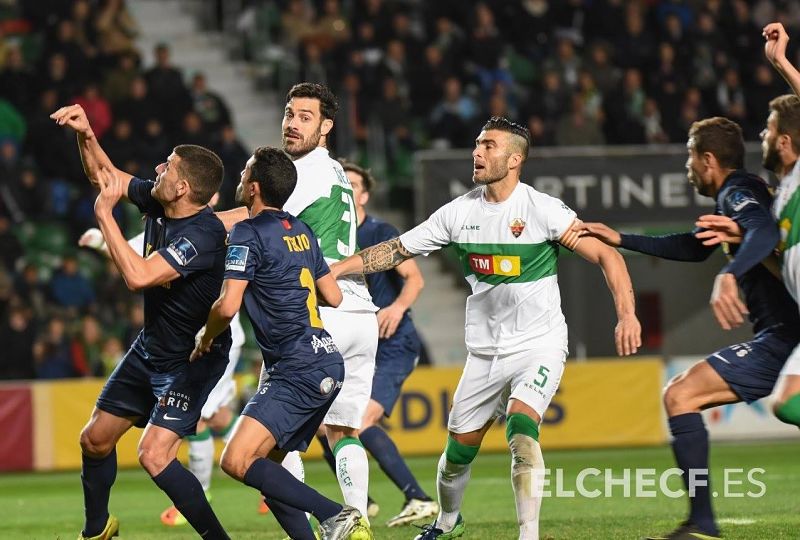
{"points": [[751, 368], [395, 360], [171, 399], [292, 403]]}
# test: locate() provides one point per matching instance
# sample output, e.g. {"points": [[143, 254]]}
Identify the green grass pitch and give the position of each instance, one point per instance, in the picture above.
{"points": [[49, 506]]}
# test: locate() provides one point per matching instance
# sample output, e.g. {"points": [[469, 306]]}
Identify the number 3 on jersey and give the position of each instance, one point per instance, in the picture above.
{"points": [[349, 216], [307, 281]]}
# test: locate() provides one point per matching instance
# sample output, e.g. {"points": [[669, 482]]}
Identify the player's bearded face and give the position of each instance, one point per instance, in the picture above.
{"points": [[489, 170], [770, 157]]}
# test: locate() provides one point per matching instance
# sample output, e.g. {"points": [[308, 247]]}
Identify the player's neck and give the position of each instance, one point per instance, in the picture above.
{"points": [[500, 191], [182, 208], [787, 168], [259, 207]]}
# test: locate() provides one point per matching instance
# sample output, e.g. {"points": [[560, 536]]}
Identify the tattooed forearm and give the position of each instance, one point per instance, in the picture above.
{"points": [[384, 256]]}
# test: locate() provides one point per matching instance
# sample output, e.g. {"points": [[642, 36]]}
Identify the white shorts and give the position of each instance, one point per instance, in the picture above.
{"points": [[224, 391], [487, 383], [356, 336], [792, 365]]}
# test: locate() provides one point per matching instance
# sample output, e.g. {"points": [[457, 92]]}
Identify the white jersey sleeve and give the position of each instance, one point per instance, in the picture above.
{"points": [[434, 233], [559, 216], [137, 243]]}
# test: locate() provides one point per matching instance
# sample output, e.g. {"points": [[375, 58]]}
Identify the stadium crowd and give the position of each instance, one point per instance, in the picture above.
{"points": [[409, 75]]}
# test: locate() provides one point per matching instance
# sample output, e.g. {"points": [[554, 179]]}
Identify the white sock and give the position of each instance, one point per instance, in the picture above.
{"points": [[294, 464], [201, 460], [451, 482], [527, 470], [352, 471]]}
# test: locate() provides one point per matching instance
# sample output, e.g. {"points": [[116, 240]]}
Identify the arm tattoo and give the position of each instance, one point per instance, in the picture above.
{"points": [[384, 256]]}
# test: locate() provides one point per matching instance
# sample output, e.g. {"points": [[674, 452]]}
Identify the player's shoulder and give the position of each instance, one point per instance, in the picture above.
{"points": [[540, 200], [743, 188]]}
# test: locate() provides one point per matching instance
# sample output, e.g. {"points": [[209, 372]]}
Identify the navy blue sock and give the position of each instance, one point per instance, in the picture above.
{"points": [[97, 477], [383, 449], [690, 446], [275, 482], [293, 521], [186, 493], [327, 453]]}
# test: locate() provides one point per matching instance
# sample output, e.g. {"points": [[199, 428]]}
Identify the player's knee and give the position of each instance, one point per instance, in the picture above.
{"points": [[675, 397], [234, 464], [459, 453], [152, 457], [94, 446]]}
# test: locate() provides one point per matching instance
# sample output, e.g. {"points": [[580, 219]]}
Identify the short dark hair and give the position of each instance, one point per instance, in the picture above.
{"points": [[367, 180], [501, 123], [720, 137], [787, 109], [202, 168], [275, 174], [328, 105]]}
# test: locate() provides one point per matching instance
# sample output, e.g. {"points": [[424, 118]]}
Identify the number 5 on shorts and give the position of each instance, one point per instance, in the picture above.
{"points": [[541, 380]]}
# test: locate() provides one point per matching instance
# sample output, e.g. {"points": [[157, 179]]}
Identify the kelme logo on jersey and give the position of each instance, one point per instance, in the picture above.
{"points": [[497, 265], [517, 226], [236, 258]]}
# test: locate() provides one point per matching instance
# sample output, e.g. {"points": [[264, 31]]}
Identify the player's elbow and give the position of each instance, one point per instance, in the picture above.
{"points": [[135, 283]]}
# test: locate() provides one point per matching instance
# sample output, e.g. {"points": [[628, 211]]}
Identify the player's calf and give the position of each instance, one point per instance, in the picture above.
{"points": [[527, 467], [788, 411]]}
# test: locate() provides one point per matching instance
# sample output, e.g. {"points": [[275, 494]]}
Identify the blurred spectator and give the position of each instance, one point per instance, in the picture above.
{"points": [[56, 78], [86, 348], [486, 49], [453, 118], [577, 128], [69, 288], [52, 352], [332, 28], [234, 156], [166, 89], [154, 148], [625, 111], [17, 81], [12, 123], [634, 45], [193, 131], [566, 62], [119, 144], [10, 248], [210, 106], [653, 131], [139, 107], [599, 66], [730, 97], [17, 334], [116, 28], [97, 108], [30, 289], [118, 81], [297, 23], [112, 354]]}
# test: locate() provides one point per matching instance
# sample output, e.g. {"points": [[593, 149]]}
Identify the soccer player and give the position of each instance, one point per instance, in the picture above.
{"points": [[399, 347], [323, 199], [507, 236], [303, 370], [155, 386], [742, 372], [780, 143], [216, 417]]}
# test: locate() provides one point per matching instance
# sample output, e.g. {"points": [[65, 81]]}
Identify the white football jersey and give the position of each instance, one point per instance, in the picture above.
{"points": [[786, 210], [508, 252], [323, 199]]}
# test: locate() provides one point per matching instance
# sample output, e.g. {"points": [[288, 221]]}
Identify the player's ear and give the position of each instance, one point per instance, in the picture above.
{"points": [[709, 160], [326, 126], [514, 160], [363, 198]]}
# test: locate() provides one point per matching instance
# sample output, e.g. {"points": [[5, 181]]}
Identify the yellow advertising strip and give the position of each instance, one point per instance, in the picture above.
{"points": [[601, 403]]}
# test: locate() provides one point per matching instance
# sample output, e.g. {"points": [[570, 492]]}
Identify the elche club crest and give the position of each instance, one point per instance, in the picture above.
{"points": [[517, 226]]}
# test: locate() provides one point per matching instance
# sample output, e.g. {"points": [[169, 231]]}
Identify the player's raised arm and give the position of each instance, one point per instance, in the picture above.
{"points": [[138, 272], [222, 312], [628, 332], [93, 157], [775, 51]]}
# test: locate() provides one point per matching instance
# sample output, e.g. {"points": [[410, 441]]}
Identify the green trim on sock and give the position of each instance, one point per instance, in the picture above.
{"points": [[202, 436], [521, 424], [789, 411], [344, 441], [460, 454]]}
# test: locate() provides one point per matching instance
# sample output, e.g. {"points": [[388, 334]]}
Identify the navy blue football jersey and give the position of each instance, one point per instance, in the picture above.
{"points": [[281, 258], [174, 312], [383, 286]]}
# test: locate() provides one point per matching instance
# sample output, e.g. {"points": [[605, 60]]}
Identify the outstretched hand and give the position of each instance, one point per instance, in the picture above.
{"points": [[628, 335], [601, 231], [776, 41], [719, 229], [73, 116]]}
